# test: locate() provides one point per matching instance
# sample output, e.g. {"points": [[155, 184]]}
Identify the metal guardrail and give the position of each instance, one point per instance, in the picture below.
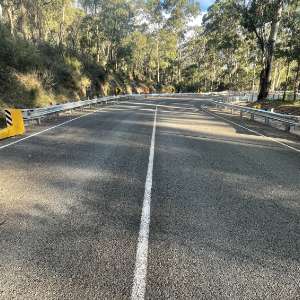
{"points": [[250, 96], [39, 113], [240, 98], [288, 120]]}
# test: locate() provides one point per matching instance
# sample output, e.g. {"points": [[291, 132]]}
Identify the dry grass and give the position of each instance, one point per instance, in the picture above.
{"points": [[286, 107]]}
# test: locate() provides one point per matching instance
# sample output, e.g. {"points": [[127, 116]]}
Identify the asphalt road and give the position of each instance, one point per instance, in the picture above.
{"points": [[225, 206]]}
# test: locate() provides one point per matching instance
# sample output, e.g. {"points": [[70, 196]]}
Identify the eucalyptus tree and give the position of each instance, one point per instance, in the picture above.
{"points": [[291, 30], [262, 18], [180, 13]]}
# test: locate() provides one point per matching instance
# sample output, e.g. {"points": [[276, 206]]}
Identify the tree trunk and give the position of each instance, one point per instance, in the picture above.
{"points": [[179, 66], [98, 44], [265, 75], [297, 81], [11, 20], [253, 77], [213, 76], [286, 80], [23, 17], [277, 79], [274, 78], [39, 24], [158, 61], [62, 26]]}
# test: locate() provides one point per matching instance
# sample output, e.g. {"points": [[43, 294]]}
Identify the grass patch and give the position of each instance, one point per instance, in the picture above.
{"points": [[279, 106]]}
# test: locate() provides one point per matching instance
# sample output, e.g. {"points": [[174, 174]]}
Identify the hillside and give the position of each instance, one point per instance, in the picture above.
{"points": [[35, 75], [54, 51]]}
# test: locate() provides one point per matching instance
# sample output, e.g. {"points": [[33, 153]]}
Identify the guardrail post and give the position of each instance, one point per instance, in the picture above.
{"points": [[267, 121], [287, 127]]}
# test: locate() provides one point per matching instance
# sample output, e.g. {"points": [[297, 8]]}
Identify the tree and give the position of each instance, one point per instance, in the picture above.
{"points": [[291, 27], [263, 18], [151, 40]]}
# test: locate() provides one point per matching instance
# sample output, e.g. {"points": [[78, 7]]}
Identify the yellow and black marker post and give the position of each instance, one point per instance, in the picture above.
{"points": [[14, 122]]}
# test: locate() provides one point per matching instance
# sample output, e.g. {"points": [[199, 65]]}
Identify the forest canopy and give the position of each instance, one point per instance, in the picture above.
{"points": [[55, 50]]}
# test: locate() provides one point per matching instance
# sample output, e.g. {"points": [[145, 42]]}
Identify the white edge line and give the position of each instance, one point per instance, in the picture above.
{"points": [[45, 130], [140, 273], [251, 130]]}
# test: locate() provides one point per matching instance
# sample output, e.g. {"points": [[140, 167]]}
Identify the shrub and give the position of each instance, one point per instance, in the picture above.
{"points": [[168, 89], [17, 53]]}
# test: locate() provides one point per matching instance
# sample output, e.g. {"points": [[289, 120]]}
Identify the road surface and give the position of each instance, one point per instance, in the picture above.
{"points": [[152, 199]]}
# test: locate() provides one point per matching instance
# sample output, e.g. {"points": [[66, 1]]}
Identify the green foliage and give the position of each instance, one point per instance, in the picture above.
{"points": [[51, 51], [39, 75], [17, 53]]}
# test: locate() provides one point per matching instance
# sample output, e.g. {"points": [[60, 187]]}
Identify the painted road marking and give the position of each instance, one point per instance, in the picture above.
{"points": [[162, 106], [45, 130], [251, 130], [48, 129], [140, 273]]}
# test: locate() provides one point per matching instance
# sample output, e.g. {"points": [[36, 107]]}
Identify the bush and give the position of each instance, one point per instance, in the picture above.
{"points": [[34, 75], [168, 89], [17, 53]]}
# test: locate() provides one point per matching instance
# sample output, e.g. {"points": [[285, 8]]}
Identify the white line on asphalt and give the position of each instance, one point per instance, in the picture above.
{"points": [[161, 105], [45, 130], [254, 131], [140, 273]]}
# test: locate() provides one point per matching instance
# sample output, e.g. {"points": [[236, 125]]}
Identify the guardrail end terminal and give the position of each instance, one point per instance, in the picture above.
{"points": [[14, 122]]}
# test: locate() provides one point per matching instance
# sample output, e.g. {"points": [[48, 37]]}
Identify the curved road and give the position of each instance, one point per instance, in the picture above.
{"points": [[220, 217]]}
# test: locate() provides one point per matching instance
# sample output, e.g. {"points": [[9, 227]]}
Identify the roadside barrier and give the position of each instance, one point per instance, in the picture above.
{"points": [[228, 98], [8, 117], [14, 123], [17, 119], [288, 120]]}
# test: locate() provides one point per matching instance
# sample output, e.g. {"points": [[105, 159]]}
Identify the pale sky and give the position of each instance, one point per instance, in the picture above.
{"points": [[204, 4]]}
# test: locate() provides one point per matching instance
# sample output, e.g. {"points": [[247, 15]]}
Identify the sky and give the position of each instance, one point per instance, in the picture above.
{"points": [[197, 21], [204, 4]]}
